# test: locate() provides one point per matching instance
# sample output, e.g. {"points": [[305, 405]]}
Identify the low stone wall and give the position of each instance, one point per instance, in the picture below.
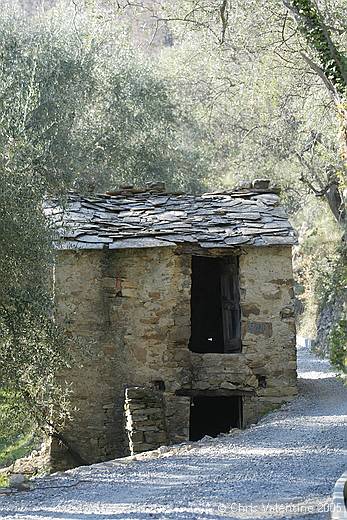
{"points": [[144, 419]]}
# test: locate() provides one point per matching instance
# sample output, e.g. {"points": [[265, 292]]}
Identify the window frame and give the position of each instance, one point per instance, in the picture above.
{"points": [[229, 303]]}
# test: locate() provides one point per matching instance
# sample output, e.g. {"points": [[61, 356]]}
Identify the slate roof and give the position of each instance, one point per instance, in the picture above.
{"points": [[133, 218]]}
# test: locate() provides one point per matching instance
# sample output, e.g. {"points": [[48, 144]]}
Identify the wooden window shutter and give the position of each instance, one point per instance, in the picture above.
{"points": [[230, 303]]}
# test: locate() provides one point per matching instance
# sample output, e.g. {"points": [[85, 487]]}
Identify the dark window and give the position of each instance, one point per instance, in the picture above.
{"points": [[214, 415], [215, 305]]}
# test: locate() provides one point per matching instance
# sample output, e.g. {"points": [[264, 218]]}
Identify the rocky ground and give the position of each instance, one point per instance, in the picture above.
{"points": [[283, 467], [36, 463]]}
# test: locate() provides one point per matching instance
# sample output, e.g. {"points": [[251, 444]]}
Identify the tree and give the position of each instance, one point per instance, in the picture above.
{"points": [[32, 128], [258, 87], [80, 109], [332, 70], [246, 33]]}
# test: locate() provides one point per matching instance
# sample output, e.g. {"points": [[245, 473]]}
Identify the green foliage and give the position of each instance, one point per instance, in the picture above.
{"points": [[315, 31], [15, 448], [331, 281], [256, 119], [16, 429], [338, 346], [331, 290], [31, 347], [87, 108], [3, 481], [81, 109], [314, 261]]}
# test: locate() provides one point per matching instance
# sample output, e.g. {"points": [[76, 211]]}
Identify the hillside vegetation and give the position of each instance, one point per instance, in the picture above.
{"points": [[200, 95]]}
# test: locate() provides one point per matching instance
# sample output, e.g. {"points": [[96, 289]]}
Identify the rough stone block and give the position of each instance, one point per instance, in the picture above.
{"points": [[155, 438], [137, 437], [260, 328], [262, 184]]}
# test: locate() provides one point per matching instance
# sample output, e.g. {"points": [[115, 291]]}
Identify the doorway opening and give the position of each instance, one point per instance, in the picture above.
{"points": [[214, 415], [215, 305]]}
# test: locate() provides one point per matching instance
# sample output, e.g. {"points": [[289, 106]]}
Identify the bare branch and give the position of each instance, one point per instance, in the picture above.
{"points": [[224, 14], [320, 72]]}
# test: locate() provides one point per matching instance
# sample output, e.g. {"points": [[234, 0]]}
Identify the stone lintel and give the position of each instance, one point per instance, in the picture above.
{"points": [[219, 392]]}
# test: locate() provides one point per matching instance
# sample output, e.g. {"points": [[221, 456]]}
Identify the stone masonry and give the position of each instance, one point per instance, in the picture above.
{"points": [[128, 313], [145, 422]]}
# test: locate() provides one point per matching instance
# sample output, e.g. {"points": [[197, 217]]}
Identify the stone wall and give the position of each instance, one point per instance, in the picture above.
{"points": [[129, 314], [265, 370], [145, 421]]}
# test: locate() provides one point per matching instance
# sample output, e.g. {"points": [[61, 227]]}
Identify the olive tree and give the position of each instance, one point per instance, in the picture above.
{"points": [[80, 109]]}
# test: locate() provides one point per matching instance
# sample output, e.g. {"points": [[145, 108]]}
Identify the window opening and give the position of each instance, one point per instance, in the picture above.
{"points": [[215, 305]]}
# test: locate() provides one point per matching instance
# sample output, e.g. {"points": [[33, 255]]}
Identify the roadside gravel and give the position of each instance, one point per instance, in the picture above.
{"points": [[283, 467]]}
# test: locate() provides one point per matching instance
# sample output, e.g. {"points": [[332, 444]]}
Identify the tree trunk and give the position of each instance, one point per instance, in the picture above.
{"points": [[342, 110]]}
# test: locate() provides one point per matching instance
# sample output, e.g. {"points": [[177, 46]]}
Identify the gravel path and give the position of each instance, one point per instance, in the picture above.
{"points": [[283, 467]]}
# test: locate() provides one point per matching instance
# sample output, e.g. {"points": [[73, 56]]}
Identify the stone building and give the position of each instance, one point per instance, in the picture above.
{"points": [[180, 308]]}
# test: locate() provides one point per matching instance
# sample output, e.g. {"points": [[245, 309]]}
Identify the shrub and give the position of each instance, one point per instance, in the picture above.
{"points": [[338, 345]]}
